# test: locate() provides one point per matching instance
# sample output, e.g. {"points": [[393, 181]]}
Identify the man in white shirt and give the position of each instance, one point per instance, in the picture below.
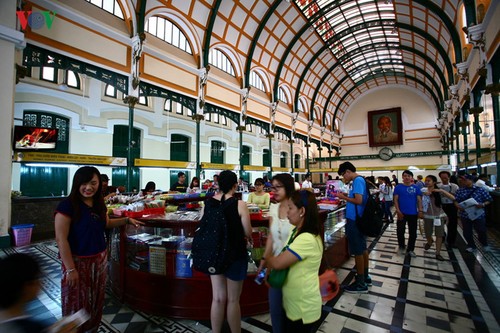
{"points": [[307, 183], [481, 182]]}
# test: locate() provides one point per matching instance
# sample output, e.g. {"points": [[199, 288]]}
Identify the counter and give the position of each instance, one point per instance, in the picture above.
{"points": [[150, 268]]}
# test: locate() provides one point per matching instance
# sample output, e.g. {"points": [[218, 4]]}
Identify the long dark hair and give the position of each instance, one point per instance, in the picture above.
{"points": [[227, 179], [437, 196], [193, 180], [387, 181], [306, 199], [287, 181], [82, 176]]}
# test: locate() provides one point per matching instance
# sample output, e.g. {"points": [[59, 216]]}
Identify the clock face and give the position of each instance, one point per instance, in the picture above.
{"points": [[385, 153]]}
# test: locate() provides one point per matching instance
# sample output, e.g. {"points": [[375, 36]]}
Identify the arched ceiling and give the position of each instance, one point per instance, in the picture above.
{"points": [[331, 51]]}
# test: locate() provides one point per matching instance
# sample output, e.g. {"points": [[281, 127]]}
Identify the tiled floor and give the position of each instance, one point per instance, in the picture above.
{"points": [[418, 294]]}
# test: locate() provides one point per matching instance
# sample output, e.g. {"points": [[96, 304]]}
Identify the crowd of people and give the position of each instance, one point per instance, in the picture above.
{"points": [[294, 241]]}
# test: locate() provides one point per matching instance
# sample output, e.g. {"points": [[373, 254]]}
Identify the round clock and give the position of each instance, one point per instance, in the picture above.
{"points": [[386, 153]]}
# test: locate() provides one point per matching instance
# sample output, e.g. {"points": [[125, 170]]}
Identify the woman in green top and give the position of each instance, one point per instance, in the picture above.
{"points": [[259, 197], [301, 295]]}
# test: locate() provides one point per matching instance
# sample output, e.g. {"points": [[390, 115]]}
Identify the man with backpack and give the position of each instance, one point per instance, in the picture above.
{"points": [[355, 205]]}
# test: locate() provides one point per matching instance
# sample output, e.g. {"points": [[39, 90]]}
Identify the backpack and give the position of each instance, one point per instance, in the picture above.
{"points": [[210, 249], [370, 223]]}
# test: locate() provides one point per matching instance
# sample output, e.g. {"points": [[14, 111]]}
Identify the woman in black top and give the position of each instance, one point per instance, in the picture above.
{"points": [[226, 287]]}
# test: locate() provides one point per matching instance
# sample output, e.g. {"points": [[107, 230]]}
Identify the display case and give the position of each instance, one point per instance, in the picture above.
{"points": [[150, 267]]}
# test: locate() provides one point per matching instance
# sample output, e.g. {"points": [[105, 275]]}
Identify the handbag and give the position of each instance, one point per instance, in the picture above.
{"points": [[277, 277]]}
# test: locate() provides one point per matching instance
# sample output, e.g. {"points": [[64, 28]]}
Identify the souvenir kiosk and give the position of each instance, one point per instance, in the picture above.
{"points": [[150, 266]]}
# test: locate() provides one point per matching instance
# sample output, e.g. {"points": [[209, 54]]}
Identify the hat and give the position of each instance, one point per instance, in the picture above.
{"points": [[104, 177], [468, 176]]}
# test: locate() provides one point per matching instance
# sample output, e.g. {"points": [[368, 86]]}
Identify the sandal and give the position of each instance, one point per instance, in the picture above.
{"points": [[439, 257]]}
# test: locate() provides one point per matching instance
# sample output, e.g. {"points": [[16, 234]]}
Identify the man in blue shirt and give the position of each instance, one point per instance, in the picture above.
{"points": [[478, 219], [408, 203], [355, 205]]}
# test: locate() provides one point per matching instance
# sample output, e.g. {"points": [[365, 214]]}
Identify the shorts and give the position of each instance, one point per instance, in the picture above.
{"points": [[355, 239], [238, 270], [429, 227]]}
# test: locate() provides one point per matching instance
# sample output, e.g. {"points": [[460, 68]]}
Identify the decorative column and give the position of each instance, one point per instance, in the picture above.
{"points": [[199, 115], [131, 101], [242, 126], [308, 143], [320, 148], [270, 135]]}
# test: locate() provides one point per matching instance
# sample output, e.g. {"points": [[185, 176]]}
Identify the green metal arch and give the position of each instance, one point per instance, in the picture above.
{"points": [[208, 33], [371, 77], [255, 39], [455, 37], [434, 8], [406, 48], [432, 40]]}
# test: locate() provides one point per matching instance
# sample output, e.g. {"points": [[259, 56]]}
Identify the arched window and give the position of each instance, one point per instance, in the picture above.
{"points": [[337, 126], [111, 6], [256, 81], [317, 113], [221, 61], [168, 32], [72, 80], [301, 106], [282, 95]]}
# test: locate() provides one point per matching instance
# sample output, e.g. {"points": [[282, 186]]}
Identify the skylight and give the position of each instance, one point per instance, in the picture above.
{"points": [[361, 34]]}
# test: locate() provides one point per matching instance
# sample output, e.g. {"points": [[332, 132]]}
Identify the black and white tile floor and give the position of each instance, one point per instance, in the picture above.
{"points": [[461, 294]]}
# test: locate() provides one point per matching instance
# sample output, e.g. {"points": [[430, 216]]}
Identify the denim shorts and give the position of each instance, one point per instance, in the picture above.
{"points": [[238, 270], [355, 239]]}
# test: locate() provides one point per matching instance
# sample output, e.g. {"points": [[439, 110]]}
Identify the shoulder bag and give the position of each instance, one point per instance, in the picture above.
{"points": [[277, 277]]}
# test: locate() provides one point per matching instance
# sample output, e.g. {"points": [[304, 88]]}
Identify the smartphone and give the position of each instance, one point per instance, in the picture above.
{"points": [[259, 279]]}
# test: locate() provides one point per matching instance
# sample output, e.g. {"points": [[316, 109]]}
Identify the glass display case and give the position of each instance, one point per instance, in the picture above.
{"points": [[150, 266]]}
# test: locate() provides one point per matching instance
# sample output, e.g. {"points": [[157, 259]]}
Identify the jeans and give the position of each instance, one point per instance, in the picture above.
{"points": [[412, 231], [276, 310], [387, 210], [480, 226], [451, 213]]}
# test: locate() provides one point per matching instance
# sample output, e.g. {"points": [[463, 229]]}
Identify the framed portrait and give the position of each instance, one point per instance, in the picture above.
{"points": [[385, 127]]}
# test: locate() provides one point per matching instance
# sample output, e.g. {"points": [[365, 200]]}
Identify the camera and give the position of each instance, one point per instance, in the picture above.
{"points": [[259, 279]]}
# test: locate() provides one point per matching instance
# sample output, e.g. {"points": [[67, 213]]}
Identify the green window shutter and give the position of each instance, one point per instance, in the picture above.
{"points": [[179, 148], [245, 155], [266, 158], [216, 152]]}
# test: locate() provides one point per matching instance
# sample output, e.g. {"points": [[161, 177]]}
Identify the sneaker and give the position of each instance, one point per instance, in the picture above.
{"points": [[427, 246], [487, 248], [470, 249], [439, 257], [357, 288], [368, 281], [411, 254]]}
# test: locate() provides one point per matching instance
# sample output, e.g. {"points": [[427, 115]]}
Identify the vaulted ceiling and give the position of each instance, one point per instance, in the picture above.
{"points": [[327, 52]]}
